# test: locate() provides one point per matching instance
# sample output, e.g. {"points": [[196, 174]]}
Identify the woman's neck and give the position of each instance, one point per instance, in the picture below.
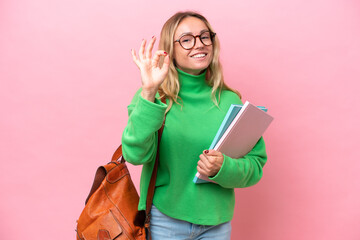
{"points": [[192, 83]]}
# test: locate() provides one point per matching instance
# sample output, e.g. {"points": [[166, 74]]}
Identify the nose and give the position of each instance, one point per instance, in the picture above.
{"points": [[198, 43]]}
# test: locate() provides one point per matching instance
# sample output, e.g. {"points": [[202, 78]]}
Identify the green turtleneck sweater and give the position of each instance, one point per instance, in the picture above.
{"points": [[189, 129]]}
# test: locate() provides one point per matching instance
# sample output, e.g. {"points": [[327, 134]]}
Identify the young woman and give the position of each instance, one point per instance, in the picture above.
{"points": [[186, 70]]}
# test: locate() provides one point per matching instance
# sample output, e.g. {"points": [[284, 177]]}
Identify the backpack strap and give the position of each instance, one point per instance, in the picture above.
{"points": [[151, 189], [143, 217]]}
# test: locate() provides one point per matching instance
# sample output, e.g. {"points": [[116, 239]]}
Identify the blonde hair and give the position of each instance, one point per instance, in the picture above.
{"points": [[214, 76]]}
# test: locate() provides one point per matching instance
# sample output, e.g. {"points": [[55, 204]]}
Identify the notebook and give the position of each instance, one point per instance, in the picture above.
{"points": [[240, 130]]}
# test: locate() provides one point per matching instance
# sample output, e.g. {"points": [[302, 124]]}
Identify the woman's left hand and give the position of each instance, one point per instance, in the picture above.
{"points": [[210, 162]]}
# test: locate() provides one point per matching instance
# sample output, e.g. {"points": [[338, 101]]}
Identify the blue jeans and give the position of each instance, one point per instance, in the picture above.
{"points": [[163, 227]]}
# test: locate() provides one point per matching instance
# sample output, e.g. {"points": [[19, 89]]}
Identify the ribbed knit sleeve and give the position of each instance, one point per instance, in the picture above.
{"points": [[245, 171], [139, 139]]}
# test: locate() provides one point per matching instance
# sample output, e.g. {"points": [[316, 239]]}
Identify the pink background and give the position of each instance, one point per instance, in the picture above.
{"points": [[67, 76]]}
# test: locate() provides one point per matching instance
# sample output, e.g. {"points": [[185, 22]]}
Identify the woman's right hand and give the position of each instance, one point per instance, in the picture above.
{"points": [[152, 76]]}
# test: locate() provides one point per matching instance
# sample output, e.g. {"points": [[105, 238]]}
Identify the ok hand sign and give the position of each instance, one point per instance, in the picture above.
{"points": [[152, 76]]}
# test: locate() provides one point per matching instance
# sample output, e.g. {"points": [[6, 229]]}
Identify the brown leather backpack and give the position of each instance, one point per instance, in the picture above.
{"points": [[111, 209]]}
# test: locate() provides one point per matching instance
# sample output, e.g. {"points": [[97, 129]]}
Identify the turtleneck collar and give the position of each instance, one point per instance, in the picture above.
{"points": [[193, 83]]}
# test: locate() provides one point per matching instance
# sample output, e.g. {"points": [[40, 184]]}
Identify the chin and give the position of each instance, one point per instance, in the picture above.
{"points": [[201, 68], [194, 68]]}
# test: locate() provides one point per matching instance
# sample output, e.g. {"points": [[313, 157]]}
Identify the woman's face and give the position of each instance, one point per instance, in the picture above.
{"points": [[195, 60]]}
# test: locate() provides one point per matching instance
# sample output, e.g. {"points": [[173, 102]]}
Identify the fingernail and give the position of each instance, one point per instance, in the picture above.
{"points": [[165, 53], [206, 151], [153, 36]]}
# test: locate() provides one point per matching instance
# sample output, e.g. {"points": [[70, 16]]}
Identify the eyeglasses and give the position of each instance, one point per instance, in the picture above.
{"points": [[188, 41]]}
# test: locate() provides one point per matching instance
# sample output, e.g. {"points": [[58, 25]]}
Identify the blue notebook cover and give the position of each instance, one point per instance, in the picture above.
{"points": [[229, 117]]}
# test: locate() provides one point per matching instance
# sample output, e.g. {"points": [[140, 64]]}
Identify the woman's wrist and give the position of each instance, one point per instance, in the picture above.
{"points": [[148, 94]]}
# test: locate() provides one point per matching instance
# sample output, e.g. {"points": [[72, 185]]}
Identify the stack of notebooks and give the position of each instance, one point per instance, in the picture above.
{"points": [[240, 130]]}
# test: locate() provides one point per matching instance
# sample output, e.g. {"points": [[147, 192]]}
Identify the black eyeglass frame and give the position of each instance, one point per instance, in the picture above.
{"points": [[212, 35]]}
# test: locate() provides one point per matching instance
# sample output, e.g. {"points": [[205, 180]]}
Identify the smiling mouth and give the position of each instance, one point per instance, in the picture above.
{"points": [[200, 55]]}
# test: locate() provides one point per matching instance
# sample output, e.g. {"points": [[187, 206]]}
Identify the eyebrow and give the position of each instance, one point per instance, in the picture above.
{"points": [[190, 33]]}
